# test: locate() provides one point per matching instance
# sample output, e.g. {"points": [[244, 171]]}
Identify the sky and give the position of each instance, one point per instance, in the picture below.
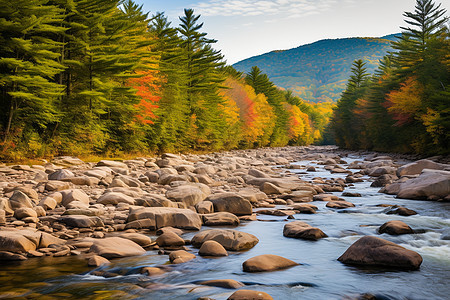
{"points": [[246, 28]]}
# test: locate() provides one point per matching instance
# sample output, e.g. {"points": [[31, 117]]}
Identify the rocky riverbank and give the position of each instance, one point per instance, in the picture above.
{"points": [[109, 209]]}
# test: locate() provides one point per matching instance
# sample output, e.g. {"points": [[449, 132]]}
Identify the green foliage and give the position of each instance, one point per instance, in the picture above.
{"points": [[405, 106]]}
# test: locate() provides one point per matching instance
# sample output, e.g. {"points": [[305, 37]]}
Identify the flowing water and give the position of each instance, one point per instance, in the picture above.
{"points": [[320, 275]]}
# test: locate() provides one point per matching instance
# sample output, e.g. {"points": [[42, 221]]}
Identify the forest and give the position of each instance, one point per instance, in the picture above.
{"points": [[405, 105], [103, 77]]}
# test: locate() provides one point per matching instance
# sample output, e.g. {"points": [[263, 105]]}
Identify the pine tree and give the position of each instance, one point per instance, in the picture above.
{"points": [[29, 56]]}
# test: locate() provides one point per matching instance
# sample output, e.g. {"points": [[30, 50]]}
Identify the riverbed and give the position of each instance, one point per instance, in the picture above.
{"points": [[319, 275]]}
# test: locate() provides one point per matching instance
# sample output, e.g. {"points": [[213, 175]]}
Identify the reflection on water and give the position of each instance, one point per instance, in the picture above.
{"points": [[320, 275]]}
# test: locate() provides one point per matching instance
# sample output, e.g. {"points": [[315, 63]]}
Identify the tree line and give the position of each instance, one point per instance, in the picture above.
{"points": [[80, 77], [405, 105]]}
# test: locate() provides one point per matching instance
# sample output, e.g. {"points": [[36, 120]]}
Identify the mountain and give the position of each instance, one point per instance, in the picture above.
{"points": [[318, 72]]}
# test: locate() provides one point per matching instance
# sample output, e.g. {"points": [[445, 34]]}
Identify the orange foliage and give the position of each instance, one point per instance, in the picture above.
{"points": [[148, 89], [404, 104]]}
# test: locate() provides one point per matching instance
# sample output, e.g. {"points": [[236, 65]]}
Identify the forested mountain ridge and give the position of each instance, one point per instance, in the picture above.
{"points": [[318, 72]]}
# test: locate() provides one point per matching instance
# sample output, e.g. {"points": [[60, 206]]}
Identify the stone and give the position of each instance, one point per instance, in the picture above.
{"points": [[204, 207], [374, 251], [230, 239], [212, 248], [249, 295], [271, 189], [2, 217], [300, 196], [9, 256], [350, 194], [383, 180], [189, 194], [97, 261], [339, 204], [267, 263], [152, 271], [48, 203], [31, 193], [305, 208], [325, 197], [428, 183], [223, 283], [47, 239], [302, 230], [81, 221], [142, 223], [155, 201], [401, 211], [80, 198], [220, 219], [231, 202], [54, 185], [60, 175], [19, 200], [112, 164], [138, 238], [395, 228], [114, 247], [5, 205], [169, 239], [19, 240], [417, 167], [25, 212], [167, 216], [169, 228], [383, 170], [180, 256], [114, 198]]}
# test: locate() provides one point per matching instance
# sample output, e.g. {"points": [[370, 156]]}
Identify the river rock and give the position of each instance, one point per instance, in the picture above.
{"points": [[325, 197], [266, 263], [223, 283], [300, 196], [48, 203], [97, 261], [305, 208], [180, 256], [55, 185], [189, 194], [383, 180], [231, 202], [395, 228], [112, 164], [230, 239], [19, 240], [417, 167], [212, 248], [138, 238], [114, 247], [152, 271], [19, 200], [115, 198], [167, 216], [60, 175], [429, 183], [9, 256], [75, 199], [81, 221], [271, 189], [2, 217], [47, 239], [339, 204], [5, 205], [350, 194], [220, 219], [169, 239], [25, 212], [204, 207], [302, 230], [402, 211], [249, 294], [374, 251]]}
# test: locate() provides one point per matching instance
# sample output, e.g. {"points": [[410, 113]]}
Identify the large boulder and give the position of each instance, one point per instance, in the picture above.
{"points": [[267, 262], [220, 219], [223, 283], [374, 251], [19, 240], [167, 216], [19, 200], [180, 256], [395, 228], [114, 247], [429, 183], [169, 239], [417, 167], [230, 239], [302, 230], [61, 175], [115, 198], [232, 203], [140, 239], [189, 194]]}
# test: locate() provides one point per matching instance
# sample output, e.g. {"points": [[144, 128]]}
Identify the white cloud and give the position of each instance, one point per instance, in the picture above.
{"points": [[284, 8]]}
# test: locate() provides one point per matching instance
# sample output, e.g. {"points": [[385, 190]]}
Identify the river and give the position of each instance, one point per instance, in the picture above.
{"points": [[320, 275]]}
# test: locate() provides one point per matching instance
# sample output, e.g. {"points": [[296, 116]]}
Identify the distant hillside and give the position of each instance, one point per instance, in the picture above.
{"points": [[318, 72]]}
